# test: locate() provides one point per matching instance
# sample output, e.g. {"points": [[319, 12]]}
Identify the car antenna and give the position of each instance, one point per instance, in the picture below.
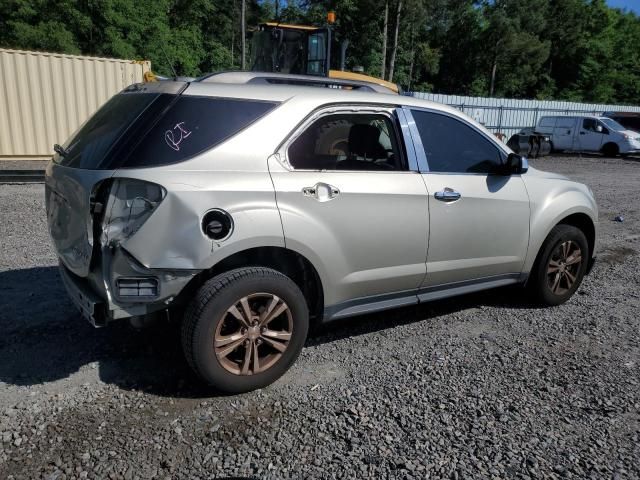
{"points": [[175, 75]]}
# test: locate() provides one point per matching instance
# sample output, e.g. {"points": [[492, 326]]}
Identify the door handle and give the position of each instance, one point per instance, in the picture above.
{"points": [[323, 192], [447, 195]]}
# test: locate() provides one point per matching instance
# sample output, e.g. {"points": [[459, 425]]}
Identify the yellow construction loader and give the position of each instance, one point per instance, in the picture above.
{"points": [[302, 50]]}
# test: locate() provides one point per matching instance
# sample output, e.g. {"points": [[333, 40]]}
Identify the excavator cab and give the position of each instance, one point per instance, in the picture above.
{"points": [[292, 49]]}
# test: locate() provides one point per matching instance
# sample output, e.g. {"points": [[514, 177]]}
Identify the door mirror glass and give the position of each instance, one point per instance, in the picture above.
{"points": [[599, 128], [516, 164]]}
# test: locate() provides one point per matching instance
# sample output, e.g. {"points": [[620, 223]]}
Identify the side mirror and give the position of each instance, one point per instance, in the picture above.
{"points": [[599, 128], [516, 164]]}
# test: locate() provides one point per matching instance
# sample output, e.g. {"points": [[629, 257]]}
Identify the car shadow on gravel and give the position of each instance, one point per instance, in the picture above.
{"points": [[44, 339]]}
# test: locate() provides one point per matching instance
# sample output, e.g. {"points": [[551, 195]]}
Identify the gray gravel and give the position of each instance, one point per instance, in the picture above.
{"points": [[483, 386]]}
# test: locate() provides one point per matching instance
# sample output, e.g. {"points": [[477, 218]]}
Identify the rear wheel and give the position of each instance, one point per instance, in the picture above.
{"points": [[560, 266], [245, 328]]}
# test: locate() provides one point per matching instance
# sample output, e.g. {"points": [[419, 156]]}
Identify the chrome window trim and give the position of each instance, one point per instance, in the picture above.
{"points": [[386, 110], [423, 161], [409, 142]]}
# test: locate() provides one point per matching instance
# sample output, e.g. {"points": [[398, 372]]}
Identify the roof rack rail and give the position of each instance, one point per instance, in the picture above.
{"points": [[267, 78]]}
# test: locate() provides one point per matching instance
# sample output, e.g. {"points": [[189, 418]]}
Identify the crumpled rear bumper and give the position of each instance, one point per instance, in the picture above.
{"points": [[91, 306], [100, 298]]}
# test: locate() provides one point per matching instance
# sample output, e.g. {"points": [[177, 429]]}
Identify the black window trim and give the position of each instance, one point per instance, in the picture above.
{"points": [[390, 111], [423, 161]]}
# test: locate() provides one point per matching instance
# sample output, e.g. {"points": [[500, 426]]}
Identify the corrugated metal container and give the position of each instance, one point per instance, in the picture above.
{"points": [[44, 97]]}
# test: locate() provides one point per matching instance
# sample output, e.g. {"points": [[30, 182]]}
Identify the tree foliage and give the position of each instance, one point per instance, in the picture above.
{"points": [[564, 49]]}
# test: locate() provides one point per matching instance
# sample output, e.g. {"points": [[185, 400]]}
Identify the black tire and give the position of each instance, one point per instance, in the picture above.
{"points": [[209, 308], [541, 281], [610, 150]]}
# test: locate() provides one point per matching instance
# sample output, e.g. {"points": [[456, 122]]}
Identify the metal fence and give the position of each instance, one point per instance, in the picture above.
{"points": [[509, 116]]}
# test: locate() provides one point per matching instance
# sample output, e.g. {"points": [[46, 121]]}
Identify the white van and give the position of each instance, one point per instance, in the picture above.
{"points": [[589, 134]]}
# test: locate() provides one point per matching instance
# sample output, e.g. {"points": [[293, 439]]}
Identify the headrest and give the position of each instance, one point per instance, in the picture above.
{"points": [[364, 141]]}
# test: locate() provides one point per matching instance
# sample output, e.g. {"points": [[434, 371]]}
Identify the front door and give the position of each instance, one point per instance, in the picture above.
{"points": [[590, 138], [349, 203], [478, 220]]}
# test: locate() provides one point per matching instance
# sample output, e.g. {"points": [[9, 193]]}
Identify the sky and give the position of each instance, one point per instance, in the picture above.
{"points": [[633, 5]]}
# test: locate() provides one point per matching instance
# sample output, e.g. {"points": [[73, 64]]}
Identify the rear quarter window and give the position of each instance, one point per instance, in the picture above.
{"points": [[134, 130], [192, 125]]}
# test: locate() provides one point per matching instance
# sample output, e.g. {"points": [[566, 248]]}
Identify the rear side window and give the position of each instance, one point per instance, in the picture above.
{"points": [[453, 146], [147, 130]]}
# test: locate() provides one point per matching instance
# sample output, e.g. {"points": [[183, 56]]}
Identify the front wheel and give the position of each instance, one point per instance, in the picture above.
{"points": [[245, 328], [610, 150], [560, 266]]}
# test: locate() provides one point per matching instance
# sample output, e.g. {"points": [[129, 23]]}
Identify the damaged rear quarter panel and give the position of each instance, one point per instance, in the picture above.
{"points": [[234, 177], [172, 238]]}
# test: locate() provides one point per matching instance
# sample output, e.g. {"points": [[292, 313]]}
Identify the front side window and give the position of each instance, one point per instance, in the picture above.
{"points": [[348, 142], [454, 147], [590, 125]]}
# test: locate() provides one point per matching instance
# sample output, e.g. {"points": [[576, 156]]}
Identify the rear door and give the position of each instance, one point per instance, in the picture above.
{"points": [[352, 201], [478, 220]]}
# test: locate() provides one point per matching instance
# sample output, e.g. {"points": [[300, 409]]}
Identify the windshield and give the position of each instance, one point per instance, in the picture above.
{"points": [[612, 124]]}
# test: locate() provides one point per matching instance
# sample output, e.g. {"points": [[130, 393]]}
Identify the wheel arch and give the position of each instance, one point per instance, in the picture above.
{"points": [[286, 261], [583, 222], [610, 148], [579, 219]]}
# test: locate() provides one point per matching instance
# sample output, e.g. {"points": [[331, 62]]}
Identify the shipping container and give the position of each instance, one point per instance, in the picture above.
{"points": [[44, 97]]}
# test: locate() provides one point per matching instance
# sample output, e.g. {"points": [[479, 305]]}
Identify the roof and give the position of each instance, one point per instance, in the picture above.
{"points": [[354, 82], [314, 96], [291, 26]]}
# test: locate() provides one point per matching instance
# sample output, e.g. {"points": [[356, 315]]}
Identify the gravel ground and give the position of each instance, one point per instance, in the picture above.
{"points": [[23, 164], [482, 386]]}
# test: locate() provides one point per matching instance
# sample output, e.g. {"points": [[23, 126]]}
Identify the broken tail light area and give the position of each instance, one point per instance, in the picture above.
{"points": [[130, 204]]}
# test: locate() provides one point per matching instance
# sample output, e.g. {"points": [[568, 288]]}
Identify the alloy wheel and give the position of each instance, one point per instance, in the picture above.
{"points": [[253, 334], [563, 267]]}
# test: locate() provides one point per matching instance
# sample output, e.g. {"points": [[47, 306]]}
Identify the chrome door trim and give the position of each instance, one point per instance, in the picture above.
{"points": [[410, 148]]}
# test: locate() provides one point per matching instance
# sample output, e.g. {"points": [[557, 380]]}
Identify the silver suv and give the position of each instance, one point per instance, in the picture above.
{"points": [[253, 212]]}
